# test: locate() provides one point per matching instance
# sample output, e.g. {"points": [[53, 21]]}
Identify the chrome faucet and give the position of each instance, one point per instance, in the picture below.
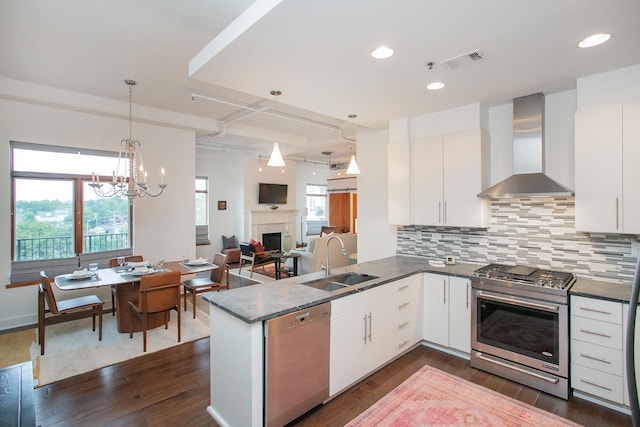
{"points": [[326, 254]]}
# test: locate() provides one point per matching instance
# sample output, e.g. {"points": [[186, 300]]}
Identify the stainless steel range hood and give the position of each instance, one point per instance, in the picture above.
{"points": [[528, 179]]}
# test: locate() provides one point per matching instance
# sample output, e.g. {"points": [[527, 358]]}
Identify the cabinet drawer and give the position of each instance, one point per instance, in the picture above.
{"points": [[596, 332], [405, 338], [594, 356], [597, 383], [597, 309]]}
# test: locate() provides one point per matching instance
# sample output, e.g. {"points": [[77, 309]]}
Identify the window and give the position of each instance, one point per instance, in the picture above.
{"points": [[316, 202], [56, 214], [202, 210]]}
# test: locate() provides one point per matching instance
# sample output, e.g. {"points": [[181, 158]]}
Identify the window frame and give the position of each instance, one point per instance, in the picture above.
{"points": [[202, 230], [23, 271]]}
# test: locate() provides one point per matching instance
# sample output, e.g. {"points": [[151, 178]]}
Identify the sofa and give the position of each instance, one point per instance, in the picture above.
{"points": [[313, 256]]}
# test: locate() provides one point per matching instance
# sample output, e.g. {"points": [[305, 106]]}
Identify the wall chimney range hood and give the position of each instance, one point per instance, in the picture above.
{"points": [[528, 179]]}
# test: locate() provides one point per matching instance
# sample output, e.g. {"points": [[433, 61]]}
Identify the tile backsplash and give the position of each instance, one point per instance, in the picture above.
{"points": [[533, 231]]}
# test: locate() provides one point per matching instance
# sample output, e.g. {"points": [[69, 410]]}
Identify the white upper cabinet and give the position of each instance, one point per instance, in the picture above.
{"points": [[428, 181], [447, 173], [607, 148], [399, 183]]}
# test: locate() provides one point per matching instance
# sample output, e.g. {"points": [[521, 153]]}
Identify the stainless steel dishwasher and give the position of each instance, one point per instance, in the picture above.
{"points": [[296, 363]]}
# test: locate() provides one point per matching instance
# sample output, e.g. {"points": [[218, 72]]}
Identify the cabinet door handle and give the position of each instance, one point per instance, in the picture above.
{"points": [[402, 288], [444, 291], [600, 334], [593, 310], [369, 326], [595, 384], [403, 344], [445, 212], [401, 306], [617, 213], [365, 329], [599, 359], [403, 325], [467, 294]]}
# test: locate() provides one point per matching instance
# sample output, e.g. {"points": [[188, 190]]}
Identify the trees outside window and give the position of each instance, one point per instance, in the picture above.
{"points": [[55, 212]]}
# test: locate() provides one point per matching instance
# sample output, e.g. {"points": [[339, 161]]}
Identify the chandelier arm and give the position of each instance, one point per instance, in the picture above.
{"points": [[131, 185]]}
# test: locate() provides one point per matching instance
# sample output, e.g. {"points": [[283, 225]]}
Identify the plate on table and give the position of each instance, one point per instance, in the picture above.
{"points": [[142, 271], [80, 274], [194, 262]]}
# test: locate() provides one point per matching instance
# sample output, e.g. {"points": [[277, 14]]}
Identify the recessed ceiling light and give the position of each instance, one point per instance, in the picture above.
{"points": [[382, 52], [435, 85], [594, 40]]}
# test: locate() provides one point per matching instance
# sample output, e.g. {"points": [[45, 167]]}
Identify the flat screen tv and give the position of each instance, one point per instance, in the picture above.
{"points": [[272, 194]]}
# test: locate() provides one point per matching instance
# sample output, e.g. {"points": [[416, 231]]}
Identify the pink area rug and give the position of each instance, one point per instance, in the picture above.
{"points": [[431, 397]]}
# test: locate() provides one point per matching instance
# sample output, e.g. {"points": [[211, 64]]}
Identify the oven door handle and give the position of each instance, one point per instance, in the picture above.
{"points": [[520, 302]]}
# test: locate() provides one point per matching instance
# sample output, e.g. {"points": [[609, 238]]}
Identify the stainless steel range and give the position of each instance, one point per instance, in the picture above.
{"points": [[519, 325]]}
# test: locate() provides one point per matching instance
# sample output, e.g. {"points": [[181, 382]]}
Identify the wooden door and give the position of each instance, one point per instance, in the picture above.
{"points": [[340, 210]]}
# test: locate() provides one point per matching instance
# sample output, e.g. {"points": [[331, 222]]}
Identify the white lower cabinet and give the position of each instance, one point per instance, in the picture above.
{"points": [[370, 328], [596, 348], [447, 311]]}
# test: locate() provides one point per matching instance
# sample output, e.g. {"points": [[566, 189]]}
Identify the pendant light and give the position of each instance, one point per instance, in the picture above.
{"points": [[276, 158], [353, 168]]}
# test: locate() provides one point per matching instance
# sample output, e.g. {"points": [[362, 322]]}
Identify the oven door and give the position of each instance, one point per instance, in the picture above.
{"points": [[525, 331]]}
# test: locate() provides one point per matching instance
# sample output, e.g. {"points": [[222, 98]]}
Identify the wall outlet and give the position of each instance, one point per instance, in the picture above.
{"points": [[450, 259]]}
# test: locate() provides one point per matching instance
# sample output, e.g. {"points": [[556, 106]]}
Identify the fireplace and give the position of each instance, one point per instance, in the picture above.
{"points": [[261, 222], [272, 241]]}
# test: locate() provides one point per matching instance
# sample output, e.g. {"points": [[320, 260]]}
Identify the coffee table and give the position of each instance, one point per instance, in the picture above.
{"points": [[279, 257]]}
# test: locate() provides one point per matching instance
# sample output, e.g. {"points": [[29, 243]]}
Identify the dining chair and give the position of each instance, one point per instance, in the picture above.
{"points": [[215, 282], [159, 293], [68, 309], [113, 262]]}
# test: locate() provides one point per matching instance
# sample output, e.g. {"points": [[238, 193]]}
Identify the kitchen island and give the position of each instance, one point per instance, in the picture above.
{"points": [[238, 319], [237, 328]]}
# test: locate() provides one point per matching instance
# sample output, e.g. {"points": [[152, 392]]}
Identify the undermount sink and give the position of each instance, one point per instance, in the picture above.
{"points": [[339, 281]]}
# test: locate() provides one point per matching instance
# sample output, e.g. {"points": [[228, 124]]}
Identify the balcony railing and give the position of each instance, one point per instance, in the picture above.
{"points": [[37, 248]]}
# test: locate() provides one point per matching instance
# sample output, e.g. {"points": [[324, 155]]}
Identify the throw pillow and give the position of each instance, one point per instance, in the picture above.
{"points": [[229, 242], [258, 248]]}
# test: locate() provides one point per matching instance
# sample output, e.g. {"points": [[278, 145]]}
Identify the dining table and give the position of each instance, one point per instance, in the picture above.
{"points": [[126, 280]]}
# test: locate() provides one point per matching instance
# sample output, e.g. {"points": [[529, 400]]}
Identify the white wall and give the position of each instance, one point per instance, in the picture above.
{"points": [[257, 171], [620, 86], [225, 171], [162, 226], [376, 238]]}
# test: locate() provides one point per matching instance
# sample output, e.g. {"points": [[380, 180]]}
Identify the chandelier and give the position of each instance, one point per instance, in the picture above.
{"points": [[130, 178]]}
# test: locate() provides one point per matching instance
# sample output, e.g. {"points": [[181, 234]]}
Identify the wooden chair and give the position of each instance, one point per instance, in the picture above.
{"points": [[159, 293], [61, 311], [257, 259], [113, 262], [215, 282]]}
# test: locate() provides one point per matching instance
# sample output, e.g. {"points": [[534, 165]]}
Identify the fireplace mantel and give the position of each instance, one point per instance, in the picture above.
{"points": [[272, 221]]}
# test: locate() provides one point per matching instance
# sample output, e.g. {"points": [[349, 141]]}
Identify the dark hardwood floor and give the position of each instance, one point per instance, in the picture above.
{"points": [[171, 387]]}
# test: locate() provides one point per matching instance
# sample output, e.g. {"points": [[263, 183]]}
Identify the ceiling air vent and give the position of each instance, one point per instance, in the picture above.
{"points": [[463, 60]]}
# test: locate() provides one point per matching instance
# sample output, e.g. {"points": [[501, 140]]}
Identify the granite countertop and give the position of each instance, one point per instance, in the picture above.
{"points": [[260, 302], [618, 292]]}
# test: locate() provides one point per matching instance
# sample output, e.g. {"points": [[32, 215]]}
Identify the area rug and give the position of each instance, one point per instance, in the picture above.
{"points": [[73, 347], [431, 397], [258, 275]]}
